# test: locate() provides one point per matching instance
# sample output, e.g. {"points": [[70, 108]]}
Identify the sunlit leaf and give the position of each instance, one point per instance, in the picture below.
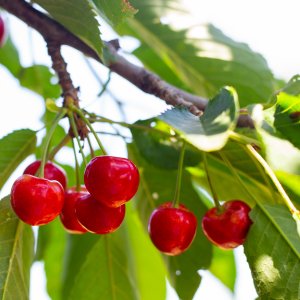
{"points": [[273, 253], [115, 11], [210, 131], [200, 58]]}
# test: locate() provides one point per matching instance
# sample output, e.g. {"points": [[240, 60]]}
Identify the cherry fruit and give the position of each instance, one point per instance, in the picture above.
{"points": [[96, 217], [67, 215], [2, 32], [51, 172], [172, 229], [111, 180], [36, 201], [227, 229]]}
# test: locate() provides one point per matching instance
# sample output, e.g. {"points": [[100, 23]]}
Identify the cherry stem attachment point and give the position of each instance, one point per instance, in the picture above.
{"points": [[89, 125], [273, 177], [58, 117], [175, 202], [212, 189], [75, 131]]}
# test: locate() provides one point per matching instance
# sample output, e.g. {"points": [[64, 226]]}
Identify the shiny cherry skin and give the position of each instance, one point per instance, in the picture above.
{"points": [[2, 32], [51, 172], [67, 215], [111, 180], [172, 229], [227, 229], [36, 201], [96, 217]]}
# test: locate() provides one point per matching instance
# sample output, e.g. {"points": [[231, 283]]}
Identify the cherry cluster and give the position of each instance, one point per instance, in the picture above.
{"points": [[172, 230], [99, 207]]}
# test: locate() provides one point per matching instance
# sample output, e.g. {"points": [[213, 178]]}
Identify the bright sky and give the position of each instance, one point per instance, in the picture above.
{"points": [[269, 27]]}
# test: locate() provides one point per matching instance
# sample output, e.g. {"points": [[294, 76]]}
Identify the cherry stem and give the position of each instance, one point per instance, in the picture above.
{"points": [[212, 189], [263, 174], [243, 139], [91, 147], [175, 202], [273, 177], [58, 117], [89, 125], [105, 85], [236, 175], [75, 131], [127, 125], [61, 144], [76, 168]]}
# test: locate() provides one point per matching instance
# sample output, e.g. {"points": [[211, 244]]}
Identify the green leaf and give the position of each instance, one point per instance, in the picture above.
{"points": [[290, 183], [223, 267], [210, 131], [77, 251], [16, 254], [156, 187], [149, 274], [160, 149], [9, 57], [51, 250], [77, 16], [293, 86], [14, 148], [200, 57], [115, 11], [287, 116], [105, 272], [38, 79], [273, 253], [274, 227]]}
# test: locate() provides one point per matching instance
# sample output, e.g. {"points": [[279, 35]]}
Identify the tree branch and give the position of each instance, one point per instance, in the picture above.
{"points": [[143, 79], [70, 93]]}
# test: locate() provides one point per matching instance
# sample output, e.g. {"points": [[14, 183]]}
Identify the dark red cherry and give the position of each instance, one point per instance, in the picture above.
{"points": [[51, 172], [67, 215], [172, 229], [111, 180], [227, 229], [96, 217], [36, 201], [2, 32]]}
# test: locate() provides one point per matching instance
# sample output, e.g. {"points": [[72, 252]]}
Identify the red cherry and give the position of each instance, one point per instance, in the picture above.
{"points": [[96, 217], [36, 201], [67, 215], [2, 32], [227, 229], [111, 180], [51, 172], [172, 229]]}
